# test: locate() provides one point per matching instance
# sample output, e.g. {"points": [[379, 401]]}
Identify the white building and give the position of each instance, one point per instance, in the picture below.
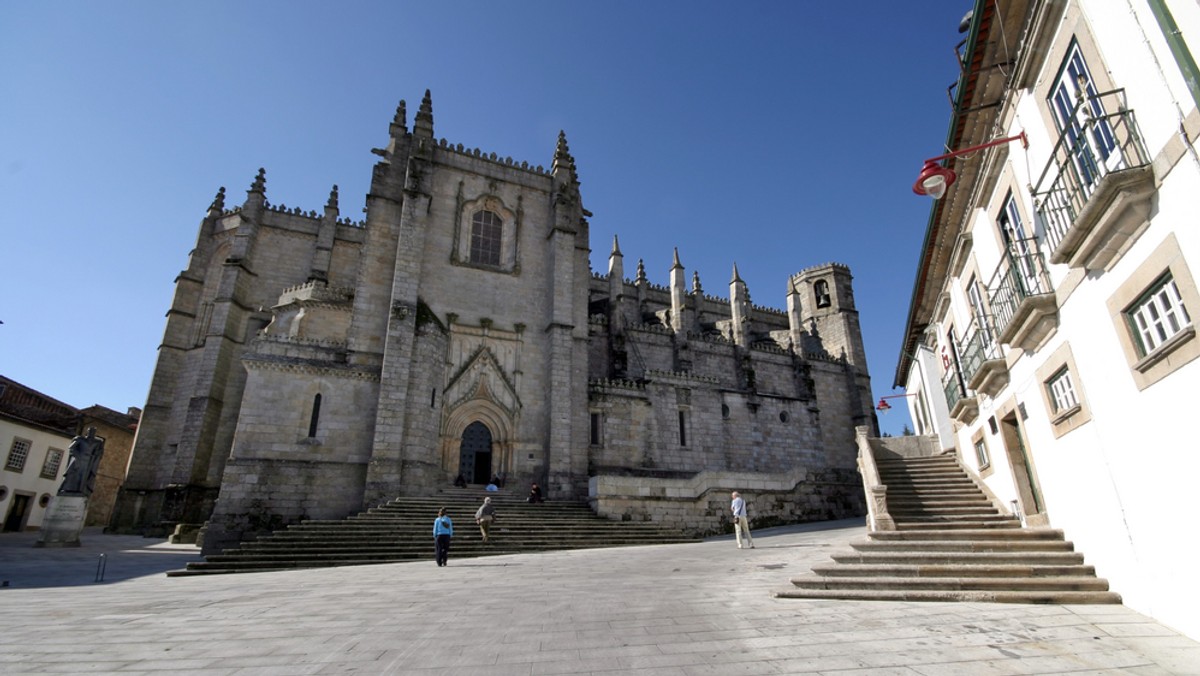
{"points": [[35, 433], [1051, 338]]}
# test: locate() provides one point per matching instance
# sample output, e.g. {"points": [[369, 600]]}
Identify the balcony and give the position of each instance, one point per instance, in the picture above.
{"points": [[962, 408], [983, 364], [1024, 309], [1094, 196]]}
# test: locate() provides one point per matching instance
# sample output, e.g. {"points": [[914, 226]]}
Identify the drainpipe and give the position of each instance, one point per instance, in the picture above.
{"points": [[1183, 60]]}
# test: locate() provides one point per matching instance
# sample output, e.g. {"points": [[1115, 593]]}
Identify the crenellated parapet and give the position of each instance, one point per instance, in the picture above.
{"points": [[768, 346], [681, 376], [829, 358], [658, 328], [841, 267], [708, 337], [264, 338], [297, 212], [313, 368], [603, 385], [316, 292], [478, 154], [769, 311]]}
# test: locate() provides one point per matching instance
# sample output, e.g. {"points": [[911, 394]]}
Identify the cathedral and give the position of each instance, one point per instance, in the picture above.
{"points": [[313, 366]]}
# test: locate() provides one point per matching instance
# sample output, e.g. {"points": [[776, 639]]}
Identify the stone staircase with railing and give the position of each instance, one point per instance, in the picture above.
{"points": [[950, 543], [402, 530]]}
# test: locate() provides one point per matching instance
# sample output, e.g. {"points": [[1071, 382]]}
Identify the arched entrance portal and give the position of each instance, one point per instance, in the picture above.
{"points": [[475, 453]]}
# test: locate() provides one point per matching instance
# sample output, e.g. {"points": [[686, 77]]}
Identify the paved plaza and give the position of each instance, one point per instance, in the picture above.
{"points": [[703, 608]]}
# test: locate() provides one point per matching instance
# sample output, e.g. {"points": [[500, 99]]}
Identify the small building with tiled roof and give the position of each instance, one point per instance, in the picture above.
{"points": [[35, 433]]}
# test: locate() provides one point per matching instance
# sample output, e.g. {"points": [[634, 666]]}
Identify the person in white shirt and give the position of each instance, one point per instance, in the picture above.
{"points": [[741, 525]]}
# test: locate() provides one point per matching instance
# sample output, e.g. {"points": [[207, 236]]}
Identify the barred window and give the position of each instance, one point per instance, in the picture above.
{"points": [[486, 229], [17, 455], [53, 461], [1157, 315], [1062, 390]]}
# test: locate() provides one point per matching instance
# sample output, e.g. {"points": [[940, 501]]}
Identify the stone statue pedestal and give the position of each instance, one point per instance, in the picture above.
{"points": [[63, 522]]}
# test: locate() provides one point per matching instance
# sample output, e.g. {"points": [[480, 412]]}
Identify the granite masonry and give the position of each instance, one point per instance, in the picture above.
{"points": [[313, 366]]}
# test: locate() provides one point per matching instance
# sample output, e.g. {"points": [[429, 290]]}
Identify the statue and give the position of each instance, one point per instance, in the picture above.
{"points": [[80, 477]]}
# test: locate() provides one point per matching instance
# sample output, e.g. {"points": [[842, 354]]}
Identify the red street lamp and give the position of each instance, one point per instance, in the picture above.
{"points": [[885, 407], [935, 179]]}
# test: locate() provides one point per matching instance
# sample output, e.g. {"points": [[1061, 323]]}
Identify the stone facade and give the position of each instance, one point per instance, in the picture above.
{"points": [[117, 429], [313, 366]]}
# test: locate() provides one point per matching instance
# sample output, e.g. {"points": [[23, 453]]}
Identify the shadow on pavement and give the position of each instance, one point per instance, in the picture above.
{"points": [[125, 557]]}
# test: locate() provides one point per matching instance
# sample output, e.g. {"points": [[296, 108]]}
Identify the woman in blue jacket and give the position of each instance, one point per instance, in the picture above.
{"points": [[443, 530]]}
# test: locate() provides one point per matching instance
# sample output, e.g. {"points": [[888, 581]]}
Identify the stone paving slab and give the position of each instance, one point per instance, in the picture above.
{"points": [[692, 610]]}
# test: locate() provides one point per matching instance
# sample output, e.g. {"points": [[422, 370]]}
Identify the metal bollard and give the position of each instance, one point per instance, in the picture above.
{"points": [[101, 567]]}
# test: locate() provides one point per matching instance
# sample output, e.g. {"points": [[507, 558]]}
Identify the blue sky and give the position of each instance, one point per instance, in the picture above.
{"points": [[774, 135]]}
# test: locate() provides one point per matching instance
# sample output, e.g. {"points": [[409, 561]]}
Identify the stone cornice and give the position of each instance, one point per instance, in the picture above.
{"points": [[294, 365]]}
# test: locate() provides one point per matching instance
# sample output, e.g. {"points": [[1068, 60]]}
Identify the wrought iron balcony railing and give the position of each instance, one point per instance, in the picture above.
{"points": [[1094, 144], [1020, 275], [977, 347], [953, 388]]}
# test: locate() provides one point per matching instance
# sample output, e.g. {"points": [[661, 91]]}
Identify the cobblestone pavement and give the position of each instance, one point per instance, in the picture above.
{"points": [[703, 608]]}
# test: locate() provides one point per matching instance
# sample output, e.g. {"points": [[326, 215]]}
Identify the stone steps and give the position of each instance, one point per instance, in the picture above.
{"points": [[952, 544], [937, 557], [960, 595], [402, 530], [971, 583], [967, 569]]}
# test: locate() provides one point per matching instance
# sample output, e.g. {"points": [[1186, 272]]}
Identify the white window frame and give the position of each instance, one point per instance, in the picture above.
{"points": [[52, 463], [1158, 315], [981, 453], [17, 457], [1061, 388]]}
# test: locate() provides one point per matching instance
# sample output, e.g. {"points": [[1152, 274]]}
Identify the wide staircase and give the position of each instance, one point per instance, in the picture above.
{"points": [[402, 530], [952, 544]]}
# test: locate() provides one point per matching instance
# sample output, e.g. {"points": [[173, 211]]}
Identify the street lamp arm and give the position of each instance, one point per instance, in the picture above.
{"points": [[935, 179], [884, 406], [1000, 141]]}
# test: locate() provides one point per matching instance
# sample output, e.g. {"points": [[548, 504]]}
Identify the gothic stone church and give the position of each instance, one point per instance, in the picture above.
{"points": [[313, 366]]}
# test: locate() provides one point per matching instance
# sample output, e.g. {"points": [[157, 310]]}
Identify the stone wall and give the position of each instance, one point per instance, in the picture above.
{"points": [[118, 442], [262, 495], [905, 447], [699, 504]]}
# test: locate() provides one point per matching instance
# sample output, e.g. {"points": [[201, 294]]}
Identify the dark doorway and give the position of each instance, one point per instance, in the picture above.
{"points": [[475, 454], [15, 520], [1024, 475]]}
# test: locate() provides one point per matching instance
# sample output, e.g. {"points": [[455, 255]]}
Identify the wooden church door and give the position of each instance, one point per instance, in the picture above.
{"points": [[475, 454]]}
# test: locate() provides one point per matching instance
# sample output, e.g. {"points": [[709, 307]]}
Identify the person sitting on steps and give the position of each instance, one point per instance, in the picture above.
{"points": [[535, 494]]}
